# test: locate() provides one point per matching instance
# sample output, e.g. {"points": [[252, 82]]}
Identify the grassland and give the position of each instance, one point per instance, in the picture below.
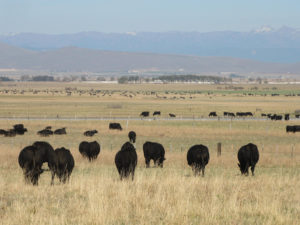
{"points": [[171, 195]]}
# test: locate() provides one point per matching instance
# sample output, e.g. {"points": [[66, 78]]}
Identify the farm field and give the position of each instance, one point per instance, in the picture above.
{"points": [[171, 195]]}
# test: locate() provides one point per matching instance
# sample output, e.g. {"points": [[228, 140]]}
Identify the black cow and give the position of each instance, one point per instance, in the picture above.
{"points": [[276, 117], [154, 151], [132, 136], [115, 126], [212, 114], [172, 115], [27, 163], [89, 150], [31, 159], [90, 133], [126, 160], [248, 156], [244, 114], [45, 132], [60, 131], [65, 164], [10, 133], [287, 116], [144, 114], [19, 129], [293, 128], [156, 113], [197, 158], [2, 132]]}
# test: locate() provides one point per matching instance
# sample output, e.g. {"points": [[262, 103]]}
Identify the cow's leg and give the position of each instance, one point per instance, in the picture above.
{"points": [[203, 170], [52, 177], [252, 169], [147, 161], [247, 169], [132, 174]]}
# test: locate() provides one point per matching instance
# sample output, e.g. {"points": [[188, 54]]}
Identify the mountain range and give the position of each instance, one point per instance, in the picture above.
{"points": [[74, 59], [264, 44]]}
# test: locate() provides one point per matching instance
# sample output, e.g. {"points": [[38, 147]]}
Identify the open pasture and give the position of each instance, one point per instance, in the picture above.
{"points": [[171, 195]]}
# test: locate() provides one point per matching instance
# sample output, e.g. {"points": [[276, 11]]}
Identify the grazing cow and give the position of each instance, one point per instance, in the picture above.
{"points": [[287, 116], [212, 114], [156, 113], [244, 114], [154, 151], [263, 115], [132, 136], [276, 117], [126, 160], [197, 158], [294, 128], [10, 133], [89, 150], [115, 126], [45, 132], [172, 115], [231, 114], [27, 163], [90, 133], [144, 114], [60, 131], [31, 159], [19, 129], [65, 164], [46, 154], [248, 156]]}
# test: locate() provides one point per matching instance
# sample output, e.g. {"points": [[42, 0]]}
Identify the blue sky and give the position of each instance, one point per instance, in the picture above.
{"points": [[71, 16]]}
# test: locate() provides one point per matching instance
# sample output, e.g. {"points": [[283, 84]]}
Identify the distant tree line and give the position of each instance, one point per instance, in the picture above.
{"points": [[5, 79], [191, 78], [42, 78], [128, 79]]}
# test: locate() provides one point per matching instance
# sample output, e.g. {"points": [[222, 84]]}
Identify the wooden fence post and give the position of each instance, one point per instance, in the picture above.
{"points": [[219, 149]]}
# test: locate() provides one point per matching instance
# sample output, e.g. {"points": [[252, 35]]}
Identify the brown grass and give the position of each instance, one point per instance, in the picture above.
{"points": [[171, 195]]}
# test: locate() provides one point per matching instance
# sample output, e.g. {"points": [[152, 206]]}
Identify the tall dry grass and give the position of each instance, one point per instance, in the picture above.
{"points": [[172, 195]]}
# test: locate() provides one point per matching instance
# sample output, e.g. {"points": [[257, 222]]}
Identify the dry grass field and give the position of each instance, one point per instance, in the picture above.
{"points": [[172, 195]]}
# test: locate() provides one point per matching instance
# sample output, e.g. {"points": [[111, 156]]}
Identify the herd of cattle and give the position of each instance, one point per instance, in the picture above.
{"points": [[61, 162], [19, 129], [229, 114]]}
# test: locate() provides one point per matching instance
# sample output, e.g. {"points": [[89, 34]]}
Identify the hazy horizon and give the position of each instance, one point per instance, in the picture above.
{"points": [[117, 16]]}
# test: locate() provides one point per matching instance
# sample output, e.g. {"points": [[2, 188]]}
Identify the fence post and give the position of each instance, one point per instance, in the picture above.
{"points": [[219, 149]]}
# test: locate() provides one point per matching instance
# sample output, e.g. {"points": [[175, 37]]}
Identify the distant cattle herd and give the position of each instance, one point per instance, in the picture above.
{"points": [[61, 162]]}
